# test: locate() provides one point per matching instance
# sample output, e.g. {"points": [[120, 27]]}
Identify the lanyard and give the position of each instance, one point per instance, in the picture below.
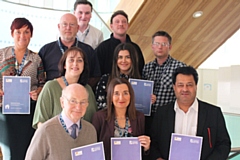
{"points": [[85, 35], [65, 81], [64, 125], [61, 48], [19, 67]]}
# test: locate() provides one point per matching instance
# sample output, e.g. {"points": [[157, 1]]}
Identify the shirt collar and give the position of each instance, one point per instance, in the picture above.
{"points": [[194, 106], [68, 122], [164, 63], [128, 39], [86, 30], [65, 47]]}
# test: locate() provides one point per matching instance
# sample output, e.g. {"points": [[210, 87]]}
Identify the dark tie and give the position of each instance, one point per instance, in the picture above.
{"points": [[73, 134]]}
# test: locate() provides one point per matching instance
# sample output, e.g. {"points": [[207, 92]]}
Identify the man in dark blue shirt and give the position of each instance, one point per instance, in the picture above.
{"points": [[52, 52]]}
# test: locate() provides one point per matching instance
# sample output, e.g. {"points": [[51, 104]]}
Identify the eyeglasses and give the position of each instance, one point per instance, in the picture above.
{"points": [[163, 44], [75, 102], [64, 25]]}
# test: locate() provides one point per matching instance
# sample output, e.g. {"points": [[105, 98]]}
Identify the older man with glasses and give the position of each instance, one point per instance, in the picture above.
{"points": [[56, 137], [52, 52]]}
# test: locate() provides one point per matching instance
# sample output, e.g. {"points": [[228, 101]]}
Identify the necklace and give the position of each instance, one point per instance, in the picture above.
{"points": [[65, 80], [120, 131]]}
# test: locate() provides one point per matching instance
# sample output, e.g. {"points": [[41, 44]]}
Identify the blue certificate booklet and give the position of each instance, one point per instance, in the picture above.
{"points": [[185, 147], [93, 151], [16, 98], [142, 90], [125, 148]]}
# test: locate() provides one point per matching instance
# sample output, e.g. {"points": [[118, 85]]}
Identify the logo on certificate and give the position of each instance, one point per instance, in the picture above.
{"points": [[117, 143], [78, 153], [147, 84], [177, 139], [94, 149], [133, 83], [7, 106], [23, 81], [194, 141], [9, 80], [133, 142]]}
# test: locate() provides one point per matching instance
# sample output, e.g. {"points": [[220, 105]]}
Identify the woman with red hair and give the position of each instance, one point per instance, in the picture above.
{"points": [[16, 129]]}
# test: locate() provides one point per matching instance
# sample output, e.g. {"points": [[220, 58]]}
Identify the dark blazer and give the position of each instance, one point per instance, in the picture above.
{"points": [[211, 126], [105, 129]]}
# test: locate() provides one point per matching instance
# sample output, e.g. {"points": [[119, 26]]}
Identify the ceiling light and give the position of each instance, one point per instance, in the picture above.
{"points": [[197, 14]]}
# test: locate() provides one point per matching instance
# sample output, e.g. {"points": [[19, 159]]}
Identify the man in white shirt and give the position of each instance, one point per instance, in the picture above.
{"points": [[86, 33], [189, 116]]}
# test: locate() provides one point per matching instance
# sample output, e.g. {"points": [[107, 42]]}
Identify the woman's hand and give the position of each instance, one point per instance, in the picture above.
{"points": [[145, 142], [1, 93], [34, 94], [153, 98]]}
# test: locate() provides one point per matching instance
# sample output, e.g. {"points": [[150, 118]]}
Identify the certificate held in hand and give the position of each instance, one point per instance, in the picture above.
{"points": [[16, 98], [125, 148], [142, 91], [185, 147], [93, 151]]}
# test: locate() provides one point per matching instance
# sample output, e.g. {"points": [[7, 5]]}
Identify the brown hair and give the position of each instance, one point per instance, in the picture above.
{"points": [[133, 70], [19, 23], [119, 12], [131, 110], [162, 33], [83, 79], [84, 2]]}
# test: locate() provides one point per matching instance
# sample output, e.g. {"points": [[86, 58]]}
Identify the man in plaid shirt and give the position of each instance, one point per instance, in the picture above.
{"points": [[160, 71]]}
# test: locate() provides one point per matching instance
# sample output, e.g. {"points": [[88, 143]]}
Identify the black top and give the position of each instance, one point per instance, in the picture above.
{"points": [[105, 54]]}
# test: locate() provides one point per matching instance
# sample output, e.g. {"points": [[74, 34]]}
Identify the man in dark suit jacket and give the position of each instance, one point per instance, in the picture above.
{"points": [[203, 120]]}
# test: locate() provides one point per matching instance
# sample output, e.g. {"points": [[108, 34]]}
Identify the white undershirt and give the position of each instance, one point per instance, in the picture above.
{"points": [[186, 123], [91, 36]]}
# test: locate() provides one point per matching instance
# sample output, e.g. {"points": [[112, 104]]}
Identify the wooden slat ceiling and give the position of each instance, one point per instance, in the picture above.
{"points": [[194, 40]]}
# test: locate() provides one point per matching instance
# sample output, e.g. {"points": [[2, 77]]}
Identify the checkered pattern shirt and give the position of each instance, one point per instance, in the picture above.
{"points": [[162, 77]]}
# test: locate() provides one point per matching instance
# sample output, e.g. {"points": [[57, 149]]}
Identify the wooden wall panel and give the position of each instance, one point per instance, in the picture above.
{"points": [[194, 40]]}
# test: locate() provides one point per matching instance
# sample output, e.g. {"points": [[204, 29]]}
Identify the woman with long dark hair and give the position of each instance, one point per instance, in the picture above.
{"points": [[125, 65], [120, 118]]}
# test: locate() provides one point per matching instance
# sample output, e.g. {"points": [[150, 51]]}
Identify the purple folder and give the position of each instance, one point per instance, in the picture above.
{"points": [[125, 148], [93, 151], [16, 99], [185, 147], [142, 91]]}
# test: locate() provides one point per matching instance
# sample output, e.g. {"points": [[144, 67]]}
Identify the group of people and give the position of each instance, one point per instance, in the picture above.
{"points": [[80, 93]]}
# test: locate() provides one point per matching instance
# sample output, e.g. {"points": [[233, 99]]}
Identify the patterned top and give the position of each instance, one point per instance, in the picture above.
{"points": [[33, 67], [122, 132], [101, 92], [162, 77]]}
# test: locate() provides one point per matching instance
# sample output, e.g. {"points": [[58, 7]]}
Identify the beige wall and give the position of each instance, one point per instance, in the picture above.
{"points": [[207, 85], [221, 87]]}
